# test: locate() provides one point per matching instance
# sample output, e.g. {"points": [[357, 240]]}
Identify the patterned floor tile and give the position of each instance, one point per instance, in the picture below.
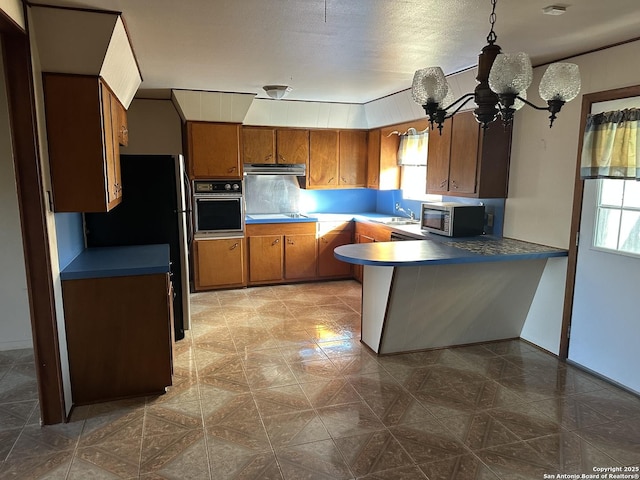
{"points": [[295, 428], [317, 460], [372, 452], [464, 467], [273, 383], [428, 441], [349, 419]]}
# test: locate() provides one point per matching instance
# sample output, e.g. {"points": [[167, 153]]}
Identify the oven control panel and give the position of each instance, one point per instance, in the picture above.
{"points": [[204, 187]]}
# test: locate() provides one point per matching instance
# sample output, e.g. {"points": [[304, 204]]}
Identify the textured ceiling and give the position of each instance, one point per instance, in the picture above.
{"points": [[345, 50]]}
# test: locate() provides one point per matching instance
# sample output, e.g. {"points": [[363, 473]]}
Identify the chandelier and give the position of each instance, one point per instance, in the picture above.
{"points": [[503, 79]]}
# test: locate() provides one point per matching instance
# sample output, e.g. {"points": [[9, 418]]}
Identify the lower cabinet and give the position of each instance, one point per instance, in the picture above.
{"points": [[368, 233], [219, 263], [281, 252], [330, 236], [119, 336]]}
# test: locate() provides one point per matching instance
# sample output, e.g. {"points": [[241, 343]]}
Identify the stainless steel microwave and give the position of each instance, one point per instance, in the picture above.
{"points": [[452, 219]]}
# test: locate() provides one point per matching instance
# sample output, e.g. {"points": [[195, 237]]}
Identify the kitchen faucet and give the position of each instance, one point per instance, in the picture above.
{"points": [[407, 212]]}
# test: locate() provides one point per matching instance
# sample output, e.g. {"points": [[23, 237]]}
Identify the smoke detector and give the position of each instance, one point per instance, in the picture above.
{"points": [[277, 91], [554, 10]]}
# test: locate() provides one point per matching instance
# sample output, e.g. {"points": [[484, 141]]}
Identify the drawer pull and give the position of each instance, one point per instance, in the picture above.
{"points": [[275, 242], [234, 246]]}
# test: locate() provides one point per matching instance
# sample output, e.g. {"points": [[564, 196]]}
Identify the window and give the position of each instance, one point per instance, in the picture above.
{"points": [[414, 181], [618, 216]]}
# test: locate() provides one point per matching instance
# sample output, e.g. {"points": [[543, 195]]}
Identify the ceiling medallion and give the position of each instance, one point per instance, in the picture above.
{"points": [[503, 79]]}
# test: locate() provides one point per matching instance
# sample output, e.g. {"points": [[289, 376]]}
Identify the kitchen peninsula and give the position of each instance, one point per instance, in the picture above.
{"points": [[442, 292]]}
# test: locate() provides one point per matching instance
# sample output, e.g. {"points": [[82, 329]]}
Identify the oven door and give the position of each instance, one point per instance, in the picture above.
{"points": [[218, 215]]}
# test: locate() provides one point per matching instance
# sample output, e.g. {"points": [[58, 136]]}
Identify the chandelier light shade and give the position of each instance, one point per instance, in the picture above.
{"points": [[561, 81], [510, 73], [503, 79]]}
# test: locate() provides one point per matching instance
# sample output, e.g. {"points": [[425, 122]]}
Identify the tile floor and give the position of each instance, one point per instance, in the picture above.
{"points": [[272, 383]]}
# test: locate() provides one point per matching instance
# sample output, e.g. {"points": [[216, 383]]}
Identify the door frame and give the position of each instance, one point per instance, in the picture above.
{"points": [[587, 101], [32, 207]]}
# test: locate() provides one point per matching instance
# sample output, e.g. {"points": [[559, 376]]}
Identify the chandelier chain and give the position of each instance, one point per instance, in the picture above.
{"points": [[492, 37]]}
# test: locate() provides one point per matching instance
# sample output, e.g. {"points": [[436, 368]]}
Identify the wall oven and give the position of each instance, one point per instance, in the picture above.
{"points": [[218, 208]]}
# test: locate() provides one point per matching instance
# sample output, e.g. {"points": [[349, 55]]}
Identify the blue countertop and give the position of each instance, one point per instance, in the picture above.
{"points": [[256, 218], [441, 251], [118, 262]]}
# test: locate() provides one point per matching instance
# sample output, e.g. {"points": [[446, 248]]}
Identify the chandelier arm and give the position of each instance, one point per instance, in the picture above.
{"points": [[468, 97], [524, 100]]}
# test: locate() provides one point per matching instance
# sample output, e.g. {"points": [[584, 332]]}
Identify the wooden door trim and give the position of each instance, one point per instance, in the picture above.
{"points": [[35, 237], [587, 101]]}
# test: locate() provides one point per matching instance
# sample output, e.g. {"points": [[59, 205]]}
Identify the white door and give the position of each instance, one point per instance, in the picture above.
{"points": [[605, 324]]}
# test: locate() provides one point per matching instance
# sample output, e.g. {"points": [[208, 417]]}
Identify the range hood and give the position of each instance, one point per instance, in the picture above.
{"points": [[297, 169]]}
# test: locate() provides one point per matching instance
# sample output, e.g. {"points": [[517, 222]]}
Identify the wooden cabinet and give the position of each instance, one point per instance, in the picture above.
{"points": [[219, 263], [119, 336], [281, 252], [292, 145], [213, 150], [330, 236], [337, 159], [468, 161], [323, 159], [265, 258], [369, 233], [122, 121], [300, 256], [352, 158], [84, 124], [258, 145], [271, 145], [383, 172]]}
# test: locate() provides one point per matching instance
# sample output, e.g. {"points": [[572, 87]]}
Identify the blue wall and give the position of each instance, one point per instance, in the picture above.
{"points": [[362, 200], [69, 230]]}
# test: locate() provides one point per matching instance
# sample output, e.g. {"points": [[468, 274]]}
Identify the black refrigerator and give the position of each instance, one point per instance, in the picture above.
{"points": [[154, 209]]}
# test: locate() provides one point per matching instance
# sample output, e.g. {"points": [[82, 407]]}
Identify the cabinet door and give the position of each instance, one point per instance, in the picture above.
{"points": [[463, 162], [438, 159], [358, 270], [373, 159], [323, 158], [328, 264], [265, 258], [300, 256], [219, 262], [258, 145], [111, 146], [353, 158], [214, 150], [292, 146]]}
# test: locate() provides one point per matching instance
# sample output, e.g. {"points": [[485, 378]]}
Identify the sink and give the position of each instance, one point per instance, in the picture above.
{"points": [[397, 221]]}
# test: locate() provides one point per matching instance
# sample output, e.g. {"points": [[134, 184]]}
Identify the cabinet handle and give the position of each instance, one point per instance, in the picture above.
{"points": [[280, 157], [344, 180], [232, 169], [268, 157], [443, 183], [234, 246], [324, 240], [330, 180], [290, 242], [275, 242], [455, 185]]}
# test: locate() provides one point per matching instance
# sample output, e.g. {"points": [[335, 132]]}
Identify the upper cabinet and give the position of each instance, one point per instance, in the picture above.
{"points": [[337, 159], [84, 122], [292, 145], [258, 145], [353, 158], [468, 161], [213, 150], [383, 171], [271, 145], [323, 159]]}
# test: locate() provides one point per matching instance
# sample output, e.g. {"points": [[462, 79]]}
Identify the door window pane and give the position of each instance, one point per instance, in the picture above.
{"points": [[618, 216]]}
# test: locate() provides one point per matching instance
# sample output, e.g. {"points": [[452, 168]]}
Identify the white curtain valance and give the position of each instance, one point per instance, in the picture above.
{"points": [[413, 147], [610, 145]]}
